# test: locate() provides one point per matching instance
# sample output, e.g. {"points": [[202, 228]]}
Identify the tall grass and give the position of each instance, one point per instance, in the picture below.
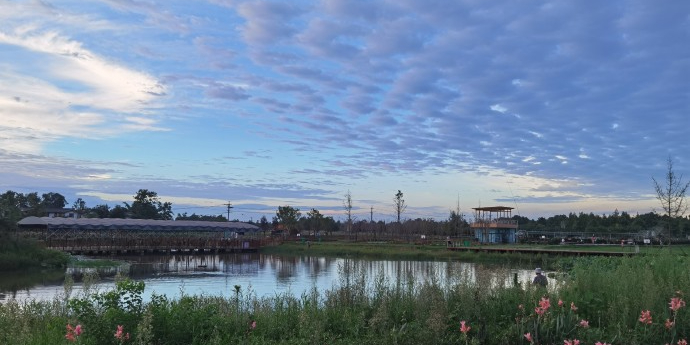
{"points": [[609, 294]]}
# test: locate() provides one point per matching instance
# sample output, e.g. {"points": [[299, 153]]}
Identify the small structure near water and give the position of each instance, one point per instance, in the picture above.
{"points": [[494, 225]]}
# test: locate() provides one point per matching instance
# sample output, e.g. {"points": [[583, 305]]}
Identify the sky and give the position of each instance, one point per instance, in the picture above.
{"points": [[549, 107]]}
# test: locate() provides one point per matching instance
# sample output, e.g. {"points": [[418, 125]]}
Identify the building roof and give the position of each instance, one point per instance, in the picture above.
{"points": [[493, 208], [134, 224]]}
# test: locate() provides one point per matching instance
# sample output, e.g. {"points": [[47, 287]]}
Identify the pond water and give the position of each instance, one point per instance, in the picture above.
{"points": [[257, 274]]}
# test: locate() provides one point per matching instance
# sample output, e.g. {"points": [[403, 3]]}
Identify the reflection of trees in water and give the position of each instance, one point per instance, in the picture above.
{"points": [[194, 263], [288, 268]]}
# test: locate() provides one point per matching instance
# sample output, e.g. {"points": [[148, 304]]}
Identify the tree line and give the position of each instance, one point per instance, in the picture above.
{"points": [[290, 220]]}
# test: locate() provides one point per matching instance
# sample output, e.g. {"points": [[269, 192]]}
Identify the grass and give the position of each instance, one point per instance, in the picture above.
{"points": [[609, 294]]}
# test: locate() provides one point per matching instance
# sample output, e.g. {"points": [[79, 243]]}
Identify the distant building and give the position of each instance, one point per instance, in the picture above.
{"points": [[56, 212], [494, 225]]}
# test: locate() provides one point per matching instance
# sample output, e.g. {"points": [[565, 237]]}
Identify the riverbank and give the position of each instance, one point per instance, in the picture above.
{"points": [[615, 300], [546, 256]]}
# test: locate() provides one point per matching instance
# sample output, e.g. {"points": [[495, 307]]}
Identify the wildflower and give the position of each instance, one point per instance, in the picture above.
{"points": [[600, 343], [572, 306], [560, 303], [676, 303], [544, 303], [72, 333], [464, 328], [646, 317], [119, 334], [669, 324], [682, 342], [584, 323], [253, 325], [539, 311], [521, 307], [528, 336], [571, 342]]}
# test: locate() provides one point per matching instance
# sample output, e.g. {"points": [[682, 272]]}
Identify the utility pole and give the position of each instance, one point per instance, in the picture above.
{"points": [[229, 205], [371, 216]]}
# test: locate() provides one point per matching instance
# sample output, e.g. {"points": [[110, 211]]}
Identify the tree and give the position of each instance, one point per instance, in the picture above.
{"points": [[399, 204], [118, 212], [147, 205], [100, 211], [348, 210], [671, 194], [288, 216], [53, 200], [314, 219], [79, 205], [264, 224]]}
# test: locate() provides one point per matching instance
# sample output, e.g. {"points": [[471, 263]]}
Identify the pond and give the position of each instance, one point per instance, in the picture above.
{"points": [[261, 275]]}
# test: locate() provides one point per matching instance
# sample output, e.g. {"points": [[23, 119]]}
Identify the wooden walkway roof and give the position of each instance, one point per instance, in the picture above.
{"points": [[55, 223]]}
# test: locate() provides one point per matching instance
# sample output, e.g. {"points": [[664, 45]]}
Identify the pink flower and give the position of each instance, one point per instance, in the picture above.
{"points": [[676, 303], [682, 342], [646, 317], [72, 333], [571, 342], [544, 303], [464, 328], [560, 303], [119, 333], [572, 306], [528, 336], [539, 311], [253, 325], [669, 324], [600, 343], [584, 324]]}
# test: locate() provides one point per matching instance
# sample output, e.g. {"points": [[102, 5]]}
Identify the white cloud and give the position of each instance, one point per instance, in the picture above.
{"points": [[73, 96], [499, 108]]}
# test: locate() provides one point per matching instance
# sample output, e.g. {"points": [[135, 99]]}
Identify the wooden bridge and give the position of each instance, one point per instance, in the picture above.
{"points": [[127, 236]]}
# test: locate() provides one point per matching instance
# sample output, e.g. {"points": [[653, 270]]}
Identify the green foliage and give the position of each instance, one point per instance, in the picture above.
{"points": [[23, 254], [288, 216]]}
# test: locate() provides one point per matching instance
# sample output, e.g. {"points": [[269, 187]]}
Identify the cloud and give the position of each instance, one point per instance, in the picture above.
{"points": [[79, 94]]}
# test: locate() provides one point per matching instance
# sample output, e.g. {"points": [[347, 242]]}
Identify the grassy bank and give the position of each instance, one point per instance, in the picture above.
{"points": [[400, 251], [21, 254], [600, 300]]}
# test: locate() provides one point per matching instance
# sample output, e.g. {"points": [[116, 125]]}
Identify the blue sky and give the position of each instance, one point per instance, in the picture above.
{"points": [[547, 106]]}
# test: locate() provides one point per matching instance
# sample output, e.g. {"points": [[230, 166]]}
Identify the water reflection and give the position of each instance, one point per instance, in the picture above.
{"points": [[263, 275]]}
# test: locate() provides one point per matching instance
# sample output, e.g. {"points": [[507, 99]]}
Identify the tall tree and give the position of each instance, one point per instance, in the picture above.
{"points": [[671, 194], [264, 224], [53, 200], [348, 210], [399, 203], [10, 207], [288, 216], [79, 205], [147, 205], [315, 220], [32, 204]]}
